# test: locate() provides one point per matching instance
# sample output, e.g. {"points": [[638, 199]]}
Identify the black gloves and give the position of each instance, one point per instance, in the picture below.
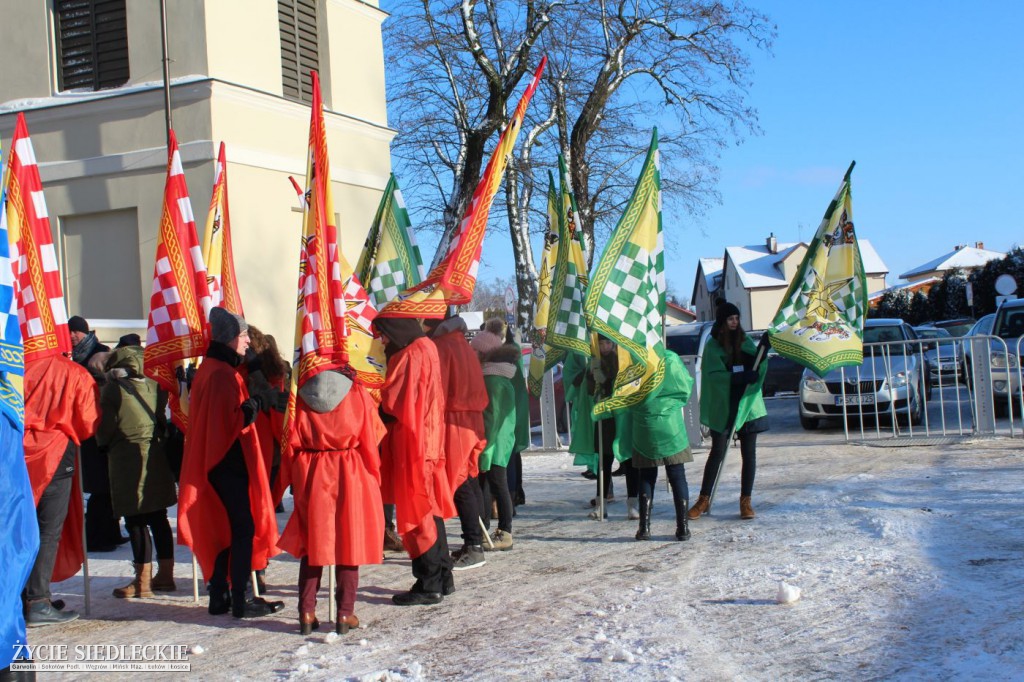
{"points": [[744, 378]]}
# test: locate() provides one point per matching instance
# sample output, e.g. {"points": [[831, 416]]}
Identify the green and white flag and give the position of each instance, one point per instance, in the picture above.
{"points": [[543, 356], [567, 325], [391, 260], [820, 323], [626, 298]]}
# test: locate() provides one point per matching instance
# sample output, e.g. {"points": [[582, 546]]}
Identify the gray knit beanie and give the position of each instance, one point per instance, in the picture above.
{"points": [[225, 326]]}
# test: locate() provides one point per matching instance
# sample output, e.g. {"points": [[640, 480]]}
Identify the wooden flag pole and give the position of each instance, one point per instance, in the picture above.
{"points": [[85, 545], [195, 579]]}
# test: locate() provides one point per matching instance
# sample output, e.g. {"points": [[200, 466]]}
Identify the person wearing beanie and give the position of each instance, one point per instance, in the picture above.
{"points": [[225, 510], [334, 470], [413, 458], [102, 527], [730, 401], [465, 400]]}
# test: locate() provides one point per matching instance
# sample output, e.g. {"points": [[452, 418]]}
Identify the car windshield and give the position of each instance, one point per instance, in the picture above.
{"points": [[1010, 324], [927, 333], [683, 344], [956, 328], [882, 334]]}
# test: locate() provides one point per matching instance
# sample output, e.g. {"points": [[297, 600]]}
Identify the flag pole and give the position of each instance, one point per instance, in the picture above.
{"points": [[87, 592], [165, 58], [762, 351]]}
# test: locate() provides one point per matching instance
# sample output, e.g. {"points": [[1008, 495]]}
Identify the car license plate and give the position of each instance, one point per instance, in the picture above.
{"points": [[855, 400], [948, 366]]}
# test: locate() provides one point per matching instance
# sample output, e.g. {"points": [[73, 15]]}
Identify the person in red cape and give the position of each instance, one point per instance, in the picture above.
{"points": [[225, 512], [268, 370], [413, 462], [61, 411], [334, 467], [465, 400]]}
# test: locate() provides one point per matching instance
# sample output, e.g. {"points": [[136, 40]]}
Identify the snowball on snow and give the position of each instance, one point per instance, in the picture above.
{"points": [[787, 594], [302, 650], [198, 650], [331, 638], [600, 637]]}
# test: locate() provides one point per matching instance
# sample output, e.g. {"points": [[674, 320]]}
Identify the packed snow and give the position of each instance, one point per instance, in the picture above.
{"points": [[864, 562]]}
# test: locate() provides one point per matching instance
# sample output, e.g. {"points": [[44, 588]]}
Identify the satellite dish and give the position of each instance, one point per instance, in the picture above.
{"points": [[1006, 284]]}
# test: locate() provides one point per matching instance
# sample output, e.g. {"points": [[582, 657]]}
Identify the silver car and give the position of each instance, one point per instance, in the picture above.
{"points": [[891, 380]]}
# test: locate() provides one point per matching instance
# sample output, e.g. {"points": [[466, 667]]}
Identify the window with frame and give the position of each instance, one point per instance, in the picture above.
{"points": [[299, 47], [92, 43]]}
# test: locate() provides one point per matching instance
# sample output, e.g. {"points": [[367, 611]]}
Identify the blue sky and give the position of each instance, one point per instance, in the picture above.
{"points": [[927, 97]]}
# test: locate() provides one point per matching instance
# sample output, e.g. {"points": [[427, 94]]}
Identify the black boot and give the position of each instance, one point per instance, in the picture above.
{"points": [[220, 601], [682, 520], [644, 532]]}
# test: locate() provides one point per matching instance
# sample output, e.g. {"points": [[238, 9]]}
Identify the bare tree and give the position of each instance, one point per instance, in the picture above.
{"points": [[459, 62], [616, 69]]}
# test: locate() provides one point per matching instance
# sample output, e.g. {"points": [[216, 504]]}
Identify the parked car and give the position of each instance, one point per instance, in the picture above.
{"points": [[783, 374], [941, 355], [1006, 360], [983, 327], [891, 380], [956, 327]]}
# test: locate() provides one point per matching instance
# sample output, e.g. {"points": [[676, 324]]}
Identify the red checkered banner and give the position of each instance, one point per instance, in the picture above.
{"points": [[217, 251], [453, 279], [41, 309], [334, 313], [179, 307]]}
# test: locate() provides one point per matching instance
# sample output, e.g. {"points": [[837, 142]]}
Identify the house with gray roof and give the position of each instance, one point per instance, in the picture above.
{"points": [[962, 257]]}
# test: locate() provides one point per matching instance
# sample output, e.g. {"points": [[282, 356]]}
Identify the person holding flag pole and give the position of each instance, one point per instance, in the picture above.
{"points": [[828, 294]]}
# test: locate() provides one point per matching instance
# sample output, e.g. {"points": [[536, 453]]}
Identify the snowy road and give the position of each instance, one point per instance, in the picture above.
{"points": [[910, 561]]}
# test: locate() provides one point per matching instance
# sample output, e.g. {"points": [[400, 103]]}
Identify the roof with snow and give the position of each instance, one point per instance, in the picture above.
{"points": [[711, 267], [910, 286], [964, 258], [758, 268]]}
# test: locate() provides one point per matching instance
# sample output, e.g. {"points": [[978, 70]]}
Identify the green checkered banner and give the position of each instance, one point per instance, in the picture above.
{"points": [[391, 260], [567, 325], [543, 357], [626, 298], [820, 323]]}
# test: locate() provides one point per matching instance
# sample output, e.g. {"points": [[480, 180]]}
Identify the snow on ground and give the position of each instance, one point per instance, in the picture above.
{"points": [[908, 563]]}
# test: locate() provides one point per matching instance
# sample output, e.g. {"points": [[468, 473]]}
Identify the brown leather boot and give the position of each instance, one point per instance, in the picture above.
{"points": [[344, 623], [699, 508], [308, 622], [163, 581], [746, 511], [139, 588]]}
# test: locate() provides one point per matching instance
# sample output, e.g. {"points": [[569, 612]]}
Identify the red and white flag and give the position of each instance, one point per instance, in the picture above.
{"points": [[217, 251], [179, 307], [40, 298]]}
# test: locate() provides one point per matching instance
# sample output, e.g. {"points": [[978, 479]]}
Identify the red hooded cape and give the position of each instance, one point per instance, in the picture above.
{"points": [[215, 422], [465, 400], [335, 474], [414, 476], [61, 403]]}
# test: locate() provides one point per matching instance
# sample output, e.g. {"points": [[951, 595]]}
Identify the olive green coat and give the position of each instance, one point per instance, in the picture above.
{"points": [[140, 478], [716, 384]]}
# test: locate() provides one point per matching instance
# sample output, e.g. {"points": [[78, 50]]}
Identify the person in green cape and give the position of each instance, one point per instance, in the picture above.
{"points": [[499, 362], [660, 439], [730, 401], [515, 463]]}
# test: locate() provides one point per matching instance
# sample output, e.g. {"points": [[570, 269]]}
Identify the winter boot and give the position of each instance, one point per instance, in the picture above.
{"points": [[644, 532], [682, 520], [345, 623], [308, 622], [746, 511], [392, 542], [470, 556], [501, 541], [139, 588], [700, 507], [163, 581], [631, 513]]}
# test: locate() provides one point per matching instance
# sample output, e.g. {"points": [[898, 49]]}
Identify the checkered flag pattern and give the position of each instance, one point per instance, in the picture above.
{"points": [[567, 324], [180, 302], [42, 315], [387, 282], [626, 297], [334, 313]]}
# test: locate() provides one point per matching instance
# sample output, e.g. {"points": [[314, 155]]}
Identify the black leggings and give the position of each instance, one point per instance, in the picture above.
{"points": [[748, 452], [495, 482], [231, 483], [139, 527]]}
